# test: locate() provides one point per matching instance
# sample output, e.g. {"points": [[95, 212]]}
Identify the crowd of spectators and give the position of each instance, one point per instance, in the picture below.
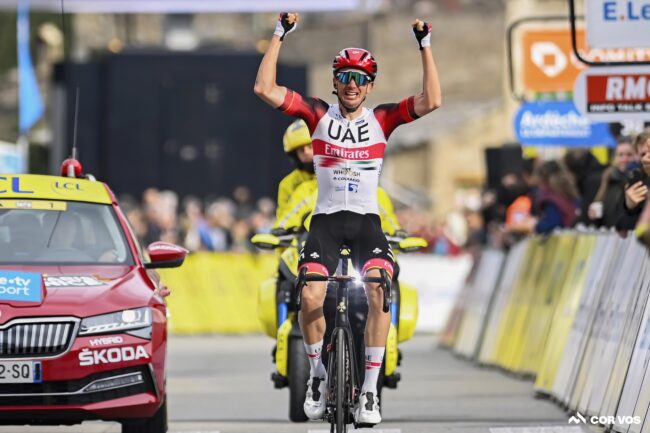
{"points": [[575, 189], [221, 224], [545, 195], [227, 223]]}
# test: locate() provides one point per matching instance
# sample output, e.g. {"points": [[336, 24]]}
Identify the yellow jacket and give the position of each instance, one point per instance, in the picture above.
{"points": [[303, 201], [287, 187]]}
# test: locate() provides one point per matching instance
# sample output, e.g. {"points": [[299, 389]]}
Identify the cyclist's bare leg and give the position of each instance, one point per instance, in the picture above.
{"points": [[312, 320], [312, 325], [377, 327], [378, 323]]}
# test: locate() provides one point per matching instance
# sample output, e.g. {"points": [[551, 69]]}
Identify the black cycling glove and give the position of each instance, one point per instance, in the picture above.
{"points": [[423, 36], [283, 27]]}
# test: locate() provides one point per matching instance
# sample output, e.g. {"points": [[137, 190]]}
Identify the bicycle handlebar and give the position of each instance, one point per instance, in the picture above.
{"points": [[383, 281]]}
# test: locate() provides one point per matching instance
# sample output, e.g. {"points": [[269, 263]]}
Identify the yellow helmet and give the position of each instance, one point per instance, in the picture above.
{"points": [[296, 136]]}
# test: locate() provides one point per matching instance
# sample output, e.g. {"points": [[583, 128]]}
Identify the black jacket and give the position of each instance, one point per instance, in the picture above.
{"points": [[612, 195]]}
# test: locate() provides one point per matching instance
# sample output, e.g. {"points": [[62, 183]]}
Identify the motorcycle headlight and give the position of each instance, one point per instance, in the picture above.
{"points": [[116, 322]]}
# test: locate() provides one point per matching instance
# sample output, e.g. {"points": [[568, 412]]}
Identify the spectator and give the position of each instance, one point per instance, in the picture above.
{"points": [[244, 207], [636, 189], [220, 220], [587, 173], [556, 204], [608, 203], [521, 209], [193, 224], [240, 235], [151, 204], [557, 199]]}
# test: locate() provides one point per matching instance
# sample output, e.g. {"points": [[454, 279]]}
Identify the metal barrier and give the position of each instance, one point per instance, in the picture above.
{"points": [[573, 310]]}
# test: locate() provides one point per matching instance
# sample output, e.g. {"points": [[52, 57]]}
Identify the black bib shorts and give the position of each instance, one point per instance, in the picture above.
{"points": [[362, 233]]}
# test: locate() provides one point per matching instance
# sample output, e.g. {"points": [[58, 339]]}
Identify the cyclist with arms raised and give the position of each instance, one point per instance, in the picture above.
{"points": [[348, 142]]}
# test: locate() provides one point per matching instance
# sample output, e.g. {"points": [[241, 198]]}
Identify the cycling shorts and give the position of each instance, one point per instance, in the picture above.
{"points": [[361, 232]]}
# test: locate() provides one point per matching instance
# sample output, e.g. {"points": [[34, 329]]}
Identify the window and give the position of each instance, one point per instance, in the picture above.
{"points": [[60, 233]]}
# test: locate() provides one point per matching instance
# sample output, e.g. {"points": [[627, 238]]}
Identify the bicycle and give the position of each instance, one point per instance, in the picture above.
{"points": [[344, 381]]}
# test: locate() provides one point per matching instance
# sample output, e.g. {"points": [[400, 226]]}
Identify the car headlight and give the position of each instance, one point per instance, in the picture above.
{"points": [[116, 322]]}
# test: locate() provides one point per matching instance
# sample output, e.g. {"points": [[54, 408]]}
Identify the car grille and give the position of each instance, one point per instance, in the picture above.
{"points": [[44, 337], [61, 393]]}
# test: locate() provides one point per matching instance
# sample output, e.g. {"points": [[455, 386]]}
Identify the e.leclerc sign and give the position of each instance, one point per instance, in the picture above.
{"points": [[558, 124], [618, 23]]}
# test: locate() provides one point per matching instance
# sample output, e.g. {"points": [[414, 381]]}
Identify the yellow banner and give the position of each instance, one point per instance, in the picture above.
{"points": [[217, 292], [31, 186]]}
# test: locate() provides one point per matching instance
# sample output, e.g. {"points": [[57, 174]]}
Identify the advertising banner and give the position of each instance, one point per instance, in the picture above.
{"points": [[20, 286], [558, 124], [614, 94], [618, 23], [549, 64]]}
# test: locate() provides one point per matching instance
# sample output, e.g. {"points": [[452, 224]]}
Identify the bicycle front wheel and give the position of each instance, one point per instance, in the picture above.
{"points": [[342, 375]]}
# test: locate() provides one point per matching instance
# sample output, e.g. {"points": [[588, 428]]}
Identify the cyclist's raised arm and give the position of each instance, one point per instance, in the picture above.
{"points": [[431, 96], [265, 84]]}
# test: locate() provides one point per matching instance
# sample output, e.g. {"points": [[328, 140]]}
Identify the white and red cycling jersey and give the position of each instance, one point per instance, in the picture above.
{"points": [[348, 154]]}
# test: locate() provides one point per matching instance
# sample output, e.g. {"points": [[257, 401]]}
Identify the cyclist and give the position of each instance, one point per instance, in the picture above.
{"points": [[297, 145], [349, 142]]}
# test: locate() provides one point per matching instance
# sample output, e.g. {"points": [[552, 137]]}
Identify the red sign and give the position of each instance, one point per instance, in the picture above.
{"points": [[618, 93], [614, 94], [356, 153]]}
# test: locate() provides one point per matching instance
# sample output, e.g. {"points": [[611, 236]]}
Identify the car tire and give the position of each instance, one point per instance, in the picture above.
{"points": [[155, 424], [298, 376]]}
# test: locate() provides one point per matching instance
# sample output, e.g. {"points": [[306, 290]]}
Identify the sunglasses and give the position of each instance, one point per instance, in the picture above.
{"points": [[345, 77]]}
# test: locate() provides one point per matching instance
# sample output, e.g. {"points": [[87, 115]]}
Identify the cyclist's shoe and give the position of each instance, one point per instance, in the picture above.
{"points": [[315, 400], [368, 409]]}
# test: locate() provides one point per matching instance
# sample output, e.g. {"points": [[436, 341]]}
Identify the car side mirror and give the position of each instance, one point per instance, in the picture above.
{"points": [[165, 255]]}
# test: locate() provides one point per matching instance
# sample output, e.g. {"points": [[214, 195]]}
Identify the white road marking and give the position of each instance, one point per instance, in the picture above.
{"points": [[364, 430], [545, 429], [195, 431]]}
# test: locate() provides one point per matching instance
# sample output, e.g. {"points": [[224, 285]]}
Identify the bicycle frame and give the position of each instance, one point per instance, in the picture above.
{"points": [[342, 324]]}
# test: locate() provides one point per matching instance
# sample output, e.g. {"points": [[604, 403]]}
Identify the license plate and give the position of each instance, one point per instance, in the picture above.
{"points": [[20, 372]]}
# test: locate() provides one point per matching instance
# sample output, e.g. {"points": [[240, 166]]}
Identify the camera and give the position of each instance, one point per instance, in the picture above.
{"points": [[634, 175]]}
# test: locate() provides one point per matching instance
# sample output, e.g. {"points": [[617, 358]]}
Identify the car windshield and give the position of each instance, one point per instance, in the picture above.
{"points": [[60, 233]]}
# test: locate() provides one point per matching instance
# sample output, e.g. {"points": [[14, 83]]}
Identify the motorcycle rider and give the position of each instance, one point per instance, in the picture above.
{"points": [[349, 142], [297, 145]]}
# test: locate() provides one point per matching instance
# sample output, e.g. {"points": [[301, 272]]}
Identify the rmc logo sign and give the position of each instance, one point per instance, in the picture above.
{"points": [[614, 94], [617, 23]]}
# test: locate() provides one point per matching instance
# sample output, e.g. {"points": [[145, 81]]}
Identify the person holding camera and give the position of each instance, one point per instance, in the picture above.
{"points": [[608, 203], [636, 189]]}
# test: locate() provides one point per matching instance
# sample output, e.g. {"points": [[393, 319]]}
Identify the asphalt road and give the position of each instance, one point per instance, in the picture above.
{"points": [[221, 384]]}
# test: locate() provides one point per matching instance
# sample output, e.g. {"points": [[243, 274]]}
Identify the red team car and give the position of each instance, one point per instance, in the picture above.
{"points": [[83, 327]]}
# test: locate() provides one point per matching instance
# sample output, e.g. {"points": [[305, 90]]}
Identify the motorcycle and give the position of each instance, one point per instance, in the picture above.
{"points": [[277, 310]]}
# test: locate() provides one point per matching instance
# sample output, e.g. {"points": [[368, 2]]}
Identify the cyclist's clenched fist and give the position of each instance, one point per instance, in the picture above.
{"points": [[422, 32], [287, 22]]}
